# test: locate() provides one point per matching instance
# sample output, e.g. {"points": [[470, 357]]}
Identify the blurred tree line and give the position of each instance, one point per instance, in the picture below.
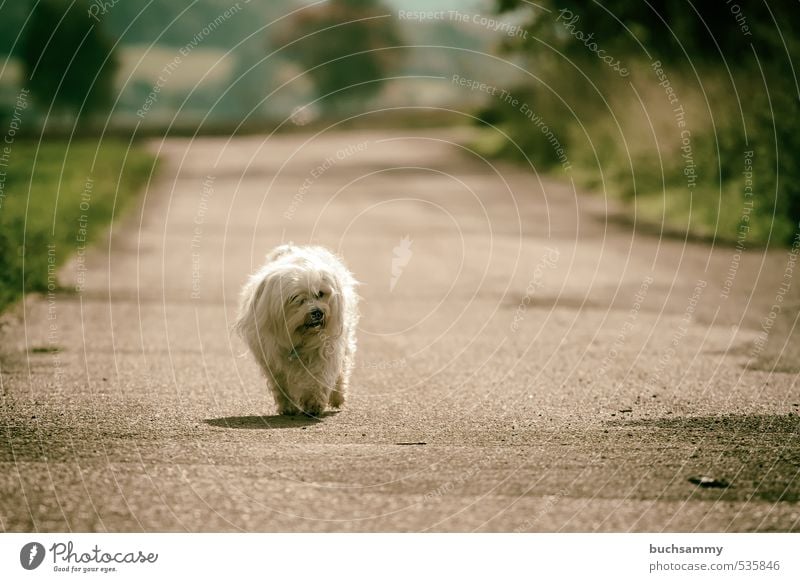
{"points": [[730, 63], [71, 53], [345, 47]]}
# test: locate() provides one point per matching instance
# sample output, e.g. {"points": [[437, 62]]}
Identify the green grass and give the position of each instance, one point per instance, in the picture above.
{"points": [[708, 214], [54, 193], [628, 147]]}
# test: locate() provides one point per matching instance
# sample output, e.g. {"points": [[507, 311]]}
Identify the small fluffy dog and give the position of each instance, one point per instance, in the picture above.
{"points": [[298, 316]]}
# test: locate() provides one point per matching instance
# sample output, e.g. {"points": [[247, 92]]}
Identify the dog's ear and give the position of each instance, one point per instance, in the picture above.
{"points": [[339, 300], [253, 305], [279, 251], [271, 309], [337, 307], [349, 294], [261, 315], [247, 306]]}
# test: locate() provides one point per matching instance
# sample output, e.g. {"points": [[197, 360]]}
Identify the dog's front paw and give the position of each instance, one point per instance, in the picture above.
{"points": [[336, 399], [288, 409], [312, 406]]}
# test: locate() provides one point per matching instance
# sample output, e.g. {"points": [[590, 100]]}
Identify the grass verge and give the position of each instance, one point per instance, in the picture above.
{"points": [[704, 160], [57, 197]]}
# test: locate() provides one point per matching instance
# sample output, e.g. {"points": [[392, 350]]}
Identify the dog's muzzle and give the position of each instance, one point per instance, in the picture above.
{"points": [[315, 318]]}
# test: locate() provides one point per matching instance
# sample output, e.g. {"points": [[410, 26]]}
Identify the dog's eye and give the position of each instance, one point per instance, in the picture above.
{"points": [[321, 294], [294, 298]]}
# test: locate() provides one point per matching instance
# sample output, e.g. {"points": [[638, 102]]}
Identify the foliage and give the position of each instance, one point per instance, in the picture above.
{"points": [[731, 66], [343, 45], [69, 62]]}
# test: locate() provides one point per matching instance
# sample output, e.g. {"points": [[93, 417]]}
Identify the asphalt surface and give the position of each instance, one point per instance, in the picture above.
{"points": [[535, 366]]}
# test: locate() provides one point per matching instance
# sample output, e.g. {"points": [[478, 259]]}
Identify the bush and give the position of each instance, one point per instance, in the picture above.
{"points": [[621, 131]]}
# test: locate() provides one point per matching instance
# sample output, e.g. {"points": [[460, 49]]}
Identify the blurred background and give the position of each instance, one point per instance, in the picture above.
{"points": [[668, 107], [575, 225], [217, 64]]}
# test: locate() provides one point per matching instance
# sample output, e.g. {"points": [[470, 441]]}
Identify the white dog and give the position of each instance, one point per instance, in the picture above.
{"points": [[298, 316]]}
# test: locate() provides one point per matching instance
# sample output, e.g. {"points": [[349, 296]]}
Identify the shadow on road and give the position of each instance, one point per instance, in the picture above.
{"points": [[757, 456], [742, 424], [265, 422]]}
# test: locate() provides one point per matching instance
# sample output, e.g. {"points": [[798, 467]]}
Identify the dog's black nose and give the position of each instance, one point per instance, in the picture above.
{"points": [[316, 314]]}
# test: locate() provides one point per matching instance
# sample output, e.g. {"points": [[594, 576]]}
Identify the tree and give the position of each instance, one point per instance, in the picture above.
{"points": [[68, 59], [342, 46]]}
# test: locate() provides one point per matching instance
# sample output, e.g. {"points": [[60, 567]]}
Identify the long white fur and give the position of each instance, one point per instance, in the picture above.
{"points": [[307, 368]]}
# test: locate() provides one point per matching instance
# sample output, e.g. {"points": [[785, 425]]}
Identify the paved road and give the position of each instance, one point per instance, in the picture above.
{"points": [[534, 367]]}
